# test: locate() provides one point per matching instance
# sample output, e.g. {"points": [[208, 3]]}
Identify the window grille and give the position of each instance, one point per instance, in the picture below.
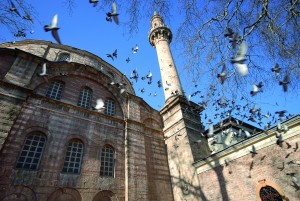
{"points": [[55, 90], [73, 157], [107, 161], [32, 151], [85, 98], [268, 193], [110, 107], [63, 57]]}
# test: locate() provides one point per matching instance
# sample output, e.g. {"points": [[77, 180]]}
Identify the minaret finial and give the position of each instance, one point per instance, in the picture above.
{"points": [[155, 12]]}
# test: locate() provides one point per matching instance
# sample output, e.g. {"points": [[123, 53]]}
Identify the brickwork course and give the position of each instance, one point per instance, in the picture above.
{"points": [[158, 155]]}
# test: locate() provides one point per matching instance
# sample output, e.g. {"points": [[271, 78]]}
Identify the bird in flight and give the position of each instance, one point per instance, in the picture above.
{"points": [[94, 2], [14, 9], [99, 105], [114, 54], [276, 70], [128, 60], [44, 70], [222, 75], [27, 17], [285, 82], [53, 28], [256, 88], [135, 49], [113, 14], [240, 59]]}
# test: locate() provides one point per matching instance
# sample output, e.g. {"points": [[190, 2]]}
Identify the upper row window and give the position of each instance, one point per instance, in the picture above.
{"points": [[64, 57], [55, 91]]}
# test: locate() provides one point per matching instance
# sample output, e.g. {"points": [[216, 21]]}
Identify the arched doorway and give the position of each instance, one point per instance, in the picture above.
{"points": [[105, 195], [65, 194], [19, 193]]}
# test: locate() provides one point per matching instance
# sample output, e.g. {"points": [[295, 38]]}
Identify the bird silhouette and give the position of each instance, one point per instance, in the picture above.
{"points": [[276, 70], [229, 33], [99, 105], [113, 55], [113, 14], [128, 60], [222, 75], [296, 147], [135, 49], [94, 2], [53, 28], [285, 82], [14, 9], [253, 151], [27, 17], [256, 89]]}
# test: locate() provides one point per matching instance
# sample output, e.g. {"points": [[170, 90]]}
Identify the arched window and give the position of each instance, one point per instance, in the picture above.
{"points": [[73, 157], [32, 151], [110, 107], [267, 191], [107, 161], [64, 57], [85, 98], [55, 90]]}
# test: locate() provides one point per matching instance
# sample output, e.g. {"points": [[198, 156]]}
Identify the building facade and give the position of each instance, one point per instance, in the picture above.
{"points": [[55, 144]]}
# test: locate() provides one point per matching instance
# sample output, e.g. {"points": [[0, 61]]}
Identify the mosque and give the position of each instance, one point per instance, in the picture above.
{"points": [[57, 145]]}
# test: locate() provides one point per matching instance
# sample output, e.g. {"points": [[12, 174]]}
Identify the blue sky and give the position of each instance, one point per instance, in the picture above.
{"points": [[86, 28]]}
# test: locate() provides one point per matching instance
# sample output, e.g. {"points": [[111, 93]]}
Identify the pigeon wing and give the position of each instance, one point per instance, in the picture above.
{"points": [[99, 104], [54, 21], [55, 35]]}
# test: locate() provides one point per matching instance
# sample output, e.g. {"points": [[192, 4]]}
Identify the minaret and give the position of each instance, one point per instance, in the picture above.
{"points": [[181, 118], [160, 37]]}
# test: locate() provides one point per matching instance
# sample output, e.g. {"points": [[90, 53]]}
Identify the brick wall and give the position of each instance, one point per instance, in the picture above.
{"points": [[237, 182]]}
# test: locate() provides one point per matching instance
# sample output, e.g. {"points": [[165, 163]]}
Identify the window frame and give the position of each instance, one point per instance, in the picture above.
{"points": [[23, 163], [83, 100], [263, 183], [110, 107], [70, 157], [60, 87], [64, 56], [105, 160]]}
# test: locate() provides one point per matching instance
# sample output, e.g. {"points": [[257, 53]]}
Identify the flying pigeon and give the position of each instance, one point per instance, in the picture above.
{"points": [[229, 33], [281, 114], [256, 88], [253, 151], [44, 70], [99, 105], [285, 82], [134, 75], [234, 40], [128, 59], [222, 75], [27, 17], [276, 70], [114, 54], [135, 49], [240, 59], [113, 14], [159, 84], [94, 2], [14, 9], [53, 28]]}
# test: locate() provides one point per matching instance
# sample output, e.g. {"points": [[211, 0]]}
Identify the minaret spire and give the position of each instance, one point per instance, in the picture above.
{"points": [[160, 37]]}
